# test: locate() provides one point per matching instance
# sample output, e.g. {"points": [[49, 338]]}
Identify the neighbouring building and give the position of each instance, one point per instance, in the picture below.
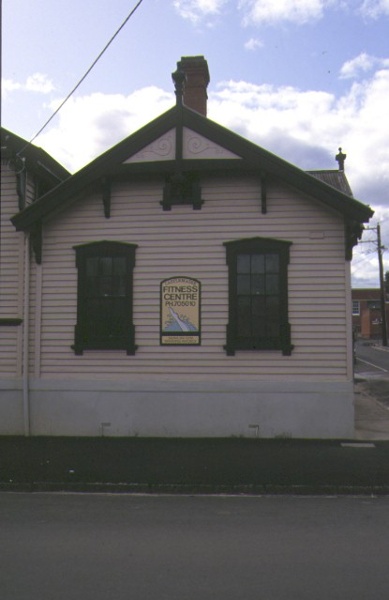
{"points": [[27, 173], [187, 282], [367, 313]]}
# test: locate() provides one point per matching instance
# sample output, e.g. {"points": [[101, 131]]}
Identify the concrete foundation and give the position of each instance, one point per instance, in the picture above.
{"points": [[315, 409]]}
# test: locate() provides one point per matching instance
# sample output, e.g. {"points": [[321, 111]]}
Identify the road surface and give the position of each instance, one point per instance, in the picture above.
{"points": [[372, 358], [123, 547]]}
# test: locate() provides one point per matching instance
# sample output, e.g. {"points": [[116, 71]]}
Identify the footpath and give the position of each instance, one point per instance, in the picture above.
{"points": [[204, 466], [194, 465], [230, 466]]}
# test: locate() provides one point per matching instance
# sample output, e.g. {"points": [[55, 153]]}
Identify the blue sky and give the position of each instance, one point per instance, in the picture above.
{"points": [[298, 77]]}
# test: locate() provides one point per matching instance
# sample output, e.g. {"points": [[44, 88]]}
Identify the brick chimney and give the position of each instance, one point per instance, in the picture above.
{"points": [[197, 80]]}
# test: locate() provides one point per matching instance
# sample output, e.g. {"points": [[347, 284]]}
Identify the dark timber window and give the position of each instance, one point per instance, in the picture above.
{"points": [[258, 295], [104, 309], [182, 188]]}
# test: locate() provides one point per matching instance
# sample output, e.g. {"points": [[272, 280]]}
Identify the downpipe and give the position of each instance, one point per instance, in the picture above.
{"points": [[26, 326]]}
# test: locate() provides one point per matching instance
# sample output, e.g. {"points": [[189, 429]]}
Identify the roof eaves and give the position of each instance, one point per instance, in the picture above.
{"points": [[263, 160], [68, 191], [255, 157], [37, 159]]}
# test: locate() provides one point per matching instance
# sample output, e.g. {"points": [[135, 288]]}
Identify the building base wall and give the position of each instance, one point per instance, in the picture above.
{"points": [[11, 407], [315, 409]]}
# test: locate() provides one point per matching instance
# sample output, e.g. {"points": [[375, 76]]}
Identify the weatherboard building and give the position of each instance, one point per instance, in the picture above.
{"points": [[185, 283]]}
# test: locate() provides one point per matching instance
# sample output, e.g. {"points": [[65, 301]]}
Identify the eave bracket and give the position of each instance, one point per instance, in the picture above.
{"points": [[353, 233], [106, 196]]}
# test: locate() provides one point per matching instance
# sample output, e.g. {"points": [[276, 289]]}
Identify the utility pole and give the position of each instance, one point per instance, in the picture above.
{"points": [[382, 288]]}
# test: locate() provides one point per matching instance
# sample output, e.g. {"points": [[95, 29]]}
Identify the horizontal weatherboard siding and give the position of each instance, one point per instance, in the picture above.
{"points": [[190, 243], [11, 278]]}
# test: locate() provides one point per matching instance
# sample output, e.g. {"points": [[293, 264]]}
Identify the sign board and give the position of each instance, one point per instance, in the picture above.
{"points": [[180, 311]]}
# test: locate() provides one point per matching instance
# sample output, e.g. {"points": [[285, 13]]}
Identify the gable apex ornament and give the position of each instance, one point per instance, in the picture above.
{"points": [[341, 158]]}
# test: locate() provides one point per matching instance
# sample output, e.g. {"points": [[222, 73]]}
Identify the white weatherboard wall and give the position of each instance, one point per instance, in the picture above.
{"points": [[11, 306], [194, 391], [11, 276]]}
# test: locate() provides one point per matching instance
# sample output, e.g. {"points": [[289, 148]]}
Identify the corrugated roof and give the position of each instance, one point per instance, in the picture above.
{"points": [[337, 179]]}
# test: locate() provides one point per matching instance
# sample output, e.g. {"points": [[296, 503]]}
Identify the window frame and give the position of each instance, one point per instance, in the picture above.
{"points": [[182, 189], [261, 246], [83, 338], [356, 308], [374, 304]]}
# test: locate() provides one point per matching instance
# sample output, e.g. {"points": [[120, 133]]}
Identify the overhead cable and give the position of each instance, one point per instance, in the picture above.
{"points": [[85, 74]]}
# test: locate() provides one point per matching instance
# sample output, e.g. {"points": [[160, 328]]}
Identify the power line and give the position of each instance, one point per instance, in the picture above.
{"points": [[362, 260], [85, 75], [380, 248]]}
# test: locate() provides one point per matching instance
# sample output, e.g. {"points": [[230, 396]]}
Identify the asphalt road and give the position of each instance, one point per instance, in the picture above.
{"points": [[372, 367], [371, 358], [123, 547]]}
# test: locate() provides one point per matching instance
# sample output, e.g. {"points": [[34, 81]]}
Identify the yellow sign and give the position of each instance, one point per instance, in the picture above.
{"points": [[180, 311]]}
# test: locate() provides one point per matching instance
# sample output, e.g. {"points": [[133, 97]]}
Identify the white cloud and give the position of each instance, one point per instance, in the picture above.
{"points": [[273, 11], [374, 9], [267, 113], [38, 82], [253, 44], [363, 117], [364, 62], [305, 127], [195, 10], [364, 267], [8, 86], [88, 125], [361, 64]]}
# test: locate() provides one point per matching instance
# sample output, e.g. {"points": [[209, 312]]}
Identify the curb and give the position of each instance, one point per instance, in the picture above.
{"points": [[192, 489]]}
